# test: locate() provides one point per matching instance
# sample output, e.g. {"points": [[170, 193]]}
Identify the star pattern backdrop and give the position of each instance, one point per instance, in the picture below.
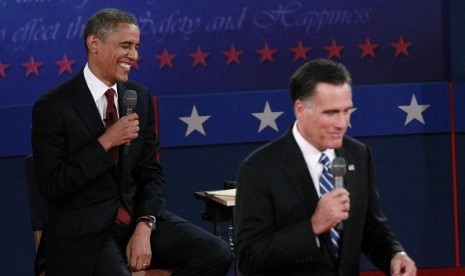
{"points": [[262, 116], [222, 53], [219, 71]]}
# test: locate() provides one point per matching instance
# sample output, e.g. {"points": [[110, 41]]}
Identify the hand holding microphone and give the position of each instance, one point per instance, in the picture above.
{"points": [[329, 208]]}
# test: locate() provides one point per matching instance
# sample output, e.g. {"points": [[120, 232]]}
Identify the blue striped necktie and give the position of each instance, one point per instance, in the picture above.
{"points": [[326, 185]]}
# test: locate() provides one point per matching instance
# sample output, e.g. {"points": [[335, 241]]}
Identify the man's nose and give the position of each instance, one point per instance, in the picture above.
{"points": [[342, 120], [133, 54]]}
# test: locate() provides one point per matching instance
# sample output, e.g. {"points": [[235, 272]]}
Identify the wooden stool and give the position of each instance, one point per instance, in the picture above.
{"points": [[152, 272]]}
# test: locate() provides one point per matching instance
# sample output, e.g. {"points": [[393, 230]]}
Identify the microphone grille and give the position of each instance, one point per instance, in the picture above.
{"points": [[130, 99], [339, 166]]}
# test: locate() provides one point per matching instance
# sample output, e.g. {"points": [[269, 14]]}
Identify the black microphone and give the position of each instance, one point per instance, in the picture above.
{"points": [[129, 101], [339, 169]]}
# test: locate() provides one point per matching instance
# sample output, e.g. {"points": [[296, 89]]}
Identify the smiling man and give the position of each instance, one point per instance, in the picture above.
{"points": [[107, 211], [289, 218]]}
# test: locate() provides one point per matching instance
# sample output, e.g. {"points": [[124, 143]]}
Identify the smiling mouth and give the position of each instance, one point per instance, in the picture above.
{"points": [[126, 66]]}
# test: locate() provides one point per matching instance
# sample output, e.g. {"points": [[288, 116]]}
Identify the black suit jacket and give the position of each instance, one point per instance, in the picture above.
{"points": [[276, 199], [80, 180]]}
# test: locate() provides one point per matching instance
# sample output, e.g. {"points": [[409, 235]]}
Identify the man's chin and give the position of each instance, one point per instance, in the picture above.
{"points": [[336, 144], [123, 78]]}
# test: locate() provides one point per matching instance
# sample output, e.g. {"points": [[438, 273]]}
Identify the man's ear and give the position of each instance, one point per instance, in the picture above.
{"points": [[92, 42], [299, 109]]}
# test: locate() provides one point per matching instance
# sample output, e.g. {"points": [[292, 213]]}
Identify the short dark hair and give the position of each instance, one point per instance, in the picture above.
{"points": [[103, 22], [303, 82]]}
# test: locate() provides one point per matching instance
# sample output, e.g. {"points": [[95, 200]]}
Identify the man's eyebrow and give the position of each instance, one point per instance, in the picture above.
{"points": [[129, 43]]}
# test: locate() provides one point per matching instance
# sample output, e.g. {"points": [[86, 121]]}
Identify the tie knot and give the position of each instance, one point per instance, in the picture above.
{"points": [[110, 95], [324, 159]]}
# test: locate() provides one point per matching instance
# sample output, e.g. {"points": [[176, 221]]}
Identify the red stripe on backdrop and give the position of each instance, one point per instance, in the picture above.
{"points": [[426, 272], [157, 122], [454, 175], [155, 113]]}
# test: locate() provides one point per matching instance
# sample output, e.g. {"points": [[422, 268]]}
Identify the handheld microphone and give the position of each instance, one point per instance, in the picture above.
{"points": [[339, 169], [129, 101]]}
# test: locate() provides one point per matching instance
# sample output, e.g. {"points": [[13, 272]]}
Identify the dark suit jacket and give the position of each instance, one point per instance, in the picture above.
{"points": [[276, 199], [80, 180]]}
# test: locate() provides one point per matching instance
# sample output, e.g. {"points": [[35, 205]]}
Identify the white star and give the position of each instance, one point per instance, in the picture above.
{"points": [[194, 122], [267, 118], [352, 110], [414, 111]]}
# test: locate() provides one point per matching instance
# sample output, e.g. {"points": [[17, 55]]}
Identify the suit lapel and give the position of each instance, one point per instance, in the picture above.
{"points": [[297, 173], [85, 106]]}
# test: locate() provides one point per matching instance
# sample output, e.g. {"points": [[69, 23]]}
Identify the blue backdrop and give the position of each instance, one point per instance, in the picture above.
{"points": [[219, 71]]}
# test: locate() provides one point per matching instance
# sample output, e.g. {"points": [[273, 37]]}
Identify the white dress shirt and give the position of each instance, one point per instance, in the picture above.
{"points": [[97, 89], [312, 157]]}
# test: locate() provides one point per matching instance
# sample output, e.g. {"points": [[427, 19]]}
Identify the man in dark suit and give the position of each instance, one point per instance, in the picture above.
{"points": [[90, 175], [283, 220]]}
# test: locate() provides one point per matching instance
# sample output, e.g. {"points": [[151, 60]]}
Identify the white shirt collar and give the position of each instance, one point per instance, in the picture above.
{"points": [[97, 87], [310, 153]]}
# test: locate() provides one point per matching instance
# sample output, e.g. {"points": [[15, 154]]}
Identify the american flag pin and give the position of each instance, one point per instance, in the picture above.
{"points": [[351, 167]]}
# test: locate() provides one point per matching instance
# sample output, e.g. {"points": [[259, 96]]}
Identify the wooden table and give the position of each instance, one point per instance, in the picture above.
{"points": [[218, 208]]}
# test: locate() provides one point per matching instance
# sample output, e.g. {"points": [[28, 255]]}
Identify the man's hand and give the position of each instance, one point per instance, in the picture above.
{"points": [[121, 132], [332, 208], [138, 250], [402, 265]]}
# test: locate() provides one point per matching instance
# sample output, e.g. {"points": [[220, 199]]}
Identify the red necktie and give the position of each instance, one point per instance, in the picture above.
{"points": [[111, 116]]}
